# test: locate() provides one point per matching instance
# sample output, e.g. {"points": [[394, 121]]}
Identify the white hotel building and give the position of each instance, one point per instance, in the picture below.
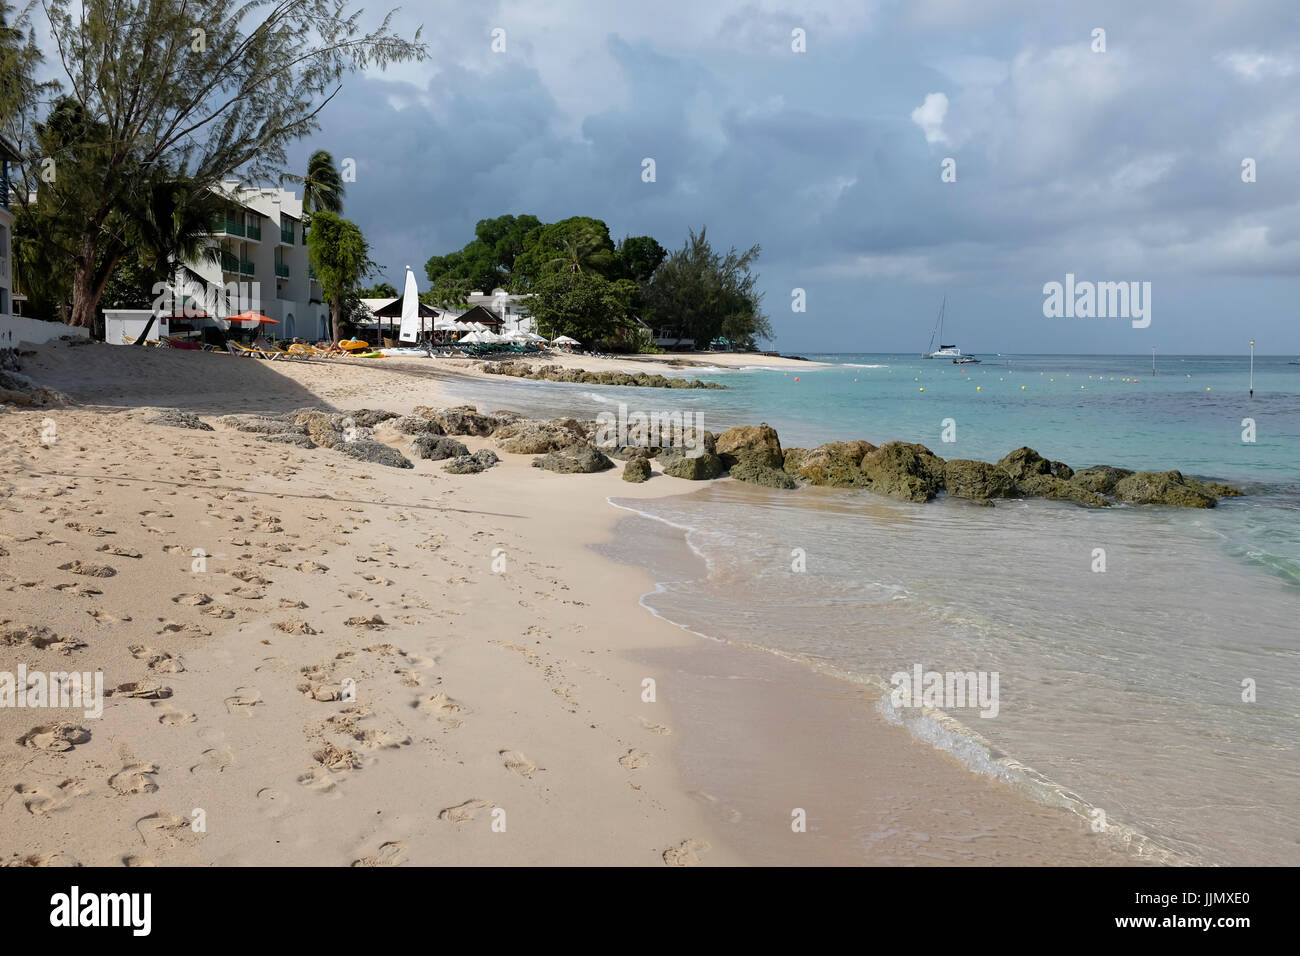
{"points": [[261, 240]]}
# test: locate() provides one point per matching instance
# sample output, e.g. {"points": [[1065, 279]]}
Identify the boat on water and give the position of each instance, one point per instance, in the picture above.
{"points": [[945, 351]]}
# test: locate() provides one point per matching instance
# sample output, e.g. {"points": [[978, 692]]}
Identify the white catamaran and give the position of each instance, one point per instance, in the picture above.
{"points": [[946, 351]]}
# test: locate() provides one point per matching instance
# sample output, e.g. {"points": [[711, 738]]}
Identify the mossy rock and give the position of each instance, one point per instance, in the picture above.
{"points": [[636, 469]]}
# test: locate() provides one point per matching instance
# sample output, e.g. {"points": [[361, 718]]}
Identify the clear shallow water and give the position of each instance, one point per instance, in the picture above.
{"points": [[1124, 687]]}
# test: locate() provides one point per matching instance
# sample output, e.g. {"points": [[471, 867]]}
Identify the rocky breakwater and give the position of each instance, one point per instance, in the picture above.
{"points": [[558, 373]]}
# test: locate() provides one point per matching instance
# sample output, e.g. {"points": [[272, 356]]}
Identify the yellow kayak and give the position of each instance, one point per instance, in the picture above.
{"points": [[352, 345]]}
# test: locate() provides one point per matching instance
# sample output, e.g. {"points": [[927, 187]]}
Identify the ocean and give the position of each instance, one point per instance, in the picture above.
{"points": [[1159, 696]]}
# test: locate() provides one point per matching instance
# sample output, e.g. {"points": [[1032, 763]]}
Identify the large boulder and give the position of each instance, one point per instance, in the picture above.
{"points": [[903, 470], [628, 452], [481, 460], [977, 480], [1058, 489], [437, 447], [582, 459], [369, 417], [1100, 479], [759, 441], [323, 428], [1215, 489], [413, 425], [460, 420], [1024, 462], [530, 437], [1162, 488], [374, 452], [698, 468], [636, 469], [754, 469], [837, 463]]}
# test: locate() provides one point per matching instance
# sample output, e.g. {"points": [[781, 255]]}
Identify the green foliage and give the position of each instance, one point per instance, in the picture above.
{"points": [[20, 93], [382, 291], [576, 244], [584, 305], [161, 97], [484, 264], [340, 255], [322, 186], [707, 295], [639, 257]]}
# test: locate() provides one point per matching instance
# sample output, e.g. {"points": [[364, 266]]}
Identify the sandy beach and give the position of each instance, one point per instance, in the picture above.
{"points": [[320, 660]]}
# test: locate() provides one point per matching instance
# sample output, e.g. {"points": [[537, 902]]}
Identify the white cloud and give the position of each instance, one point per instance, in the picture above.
{"points": [[930, 115], [1255, 66]]}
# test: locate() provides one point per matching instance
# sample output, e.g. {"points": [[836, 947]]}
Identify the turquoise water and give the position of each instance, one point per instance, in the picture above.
{"points": [[1120, 690]]}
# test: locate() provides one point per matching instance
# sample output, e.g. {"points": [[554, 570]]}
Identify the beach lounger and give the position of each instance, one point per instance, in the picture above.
{"points": [[234, 348]]}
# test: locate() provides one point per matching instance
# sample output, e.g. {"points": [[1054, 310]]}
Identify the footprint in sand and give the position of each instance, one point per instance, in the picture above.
{"points": [[320, 780], [192, 600], [160, 662], [119, 551], [136, 861], [144, 690], [463, 811], [41, 800], [243, 701], [372, 623], [444, 708], [634, 759], [517, 762], [356, 595], [172, 716], [656, 728], [135, 778], [216, 760], [312, 567], [89, 570], [103, 617], [379, 740], [686, 853], [54, 738], [337, 758], [162, 829], [392, 853], [294, 626]]}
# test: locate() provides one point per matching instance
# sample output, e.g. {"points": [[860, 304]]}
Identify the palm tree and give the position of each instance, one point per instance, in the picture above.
{"points": [[173, 223], [579, 249], [322, 187]]}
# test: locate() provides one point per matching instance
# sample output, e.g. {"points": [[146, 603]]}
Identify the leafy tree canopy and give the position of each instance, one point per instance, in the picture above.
{"points": [[340, 256], [584, 305]]}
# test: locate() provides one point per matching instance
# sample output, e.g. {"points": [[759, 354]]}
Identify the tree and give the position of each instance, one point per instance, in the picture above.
{"points": [[340, 256], [20, 93], [484, 264], [582, 304], [571, 245], [322, 186], [706, 295], [639, 257], [201, 87]]}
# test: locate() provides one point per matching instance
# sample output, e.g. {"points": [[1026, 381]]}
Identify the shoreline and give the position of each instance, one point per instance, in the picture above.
{"points": [[630, 784]]}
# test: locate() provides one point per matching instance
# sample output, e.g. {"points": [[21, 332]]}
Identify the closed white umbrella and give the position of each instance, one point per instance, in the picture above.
{"points": [[412, 325]]}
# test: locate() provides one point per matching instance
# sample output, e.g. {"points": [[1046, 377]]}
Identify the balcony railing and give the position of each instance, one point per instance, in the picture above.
{"points": [[229, 262], [231, 227], [254, 232], [286, 233], [245, 267], [282, 270]]}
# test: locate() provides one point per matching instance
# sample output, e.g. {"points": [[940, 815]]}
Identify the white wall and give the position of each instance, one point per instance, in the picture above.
{"points": [[130, 322], [15, 329]]}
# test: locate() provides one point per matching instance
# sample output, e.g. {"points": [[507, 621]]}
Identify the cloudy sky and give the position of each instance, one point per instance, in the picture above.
{"points": [[1122, 165]]}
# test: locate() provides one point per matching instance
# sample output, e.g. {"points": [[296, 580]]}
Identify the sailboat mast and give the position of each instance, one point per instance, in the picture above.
{"points": [[938, 329]]}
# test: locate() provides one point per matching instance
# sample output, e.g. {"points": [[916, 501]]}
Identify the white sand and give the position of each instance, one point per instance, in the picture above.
{"points": [[498, 717]]}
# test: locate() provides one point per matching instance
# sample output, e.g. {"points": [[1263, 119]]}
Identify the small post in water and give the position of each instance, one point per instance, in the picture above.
{"points": [[1252, 368], [1153, 360]]}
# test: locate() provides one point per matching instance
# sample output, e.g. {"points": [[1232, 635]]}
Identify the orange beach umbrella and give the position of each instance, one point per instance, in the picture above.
{"points": [[257, 317]]}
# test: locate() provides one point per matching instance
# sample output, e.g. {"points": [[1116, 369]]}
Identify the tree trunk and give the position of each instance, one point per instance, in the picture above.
{"points": [[336, 312], [84, 300]]}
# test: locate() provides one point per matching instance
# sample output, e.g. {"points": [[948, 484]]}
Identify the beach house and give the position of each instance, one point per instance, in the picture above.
{"points": [[510, 309], [263, 252]]}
